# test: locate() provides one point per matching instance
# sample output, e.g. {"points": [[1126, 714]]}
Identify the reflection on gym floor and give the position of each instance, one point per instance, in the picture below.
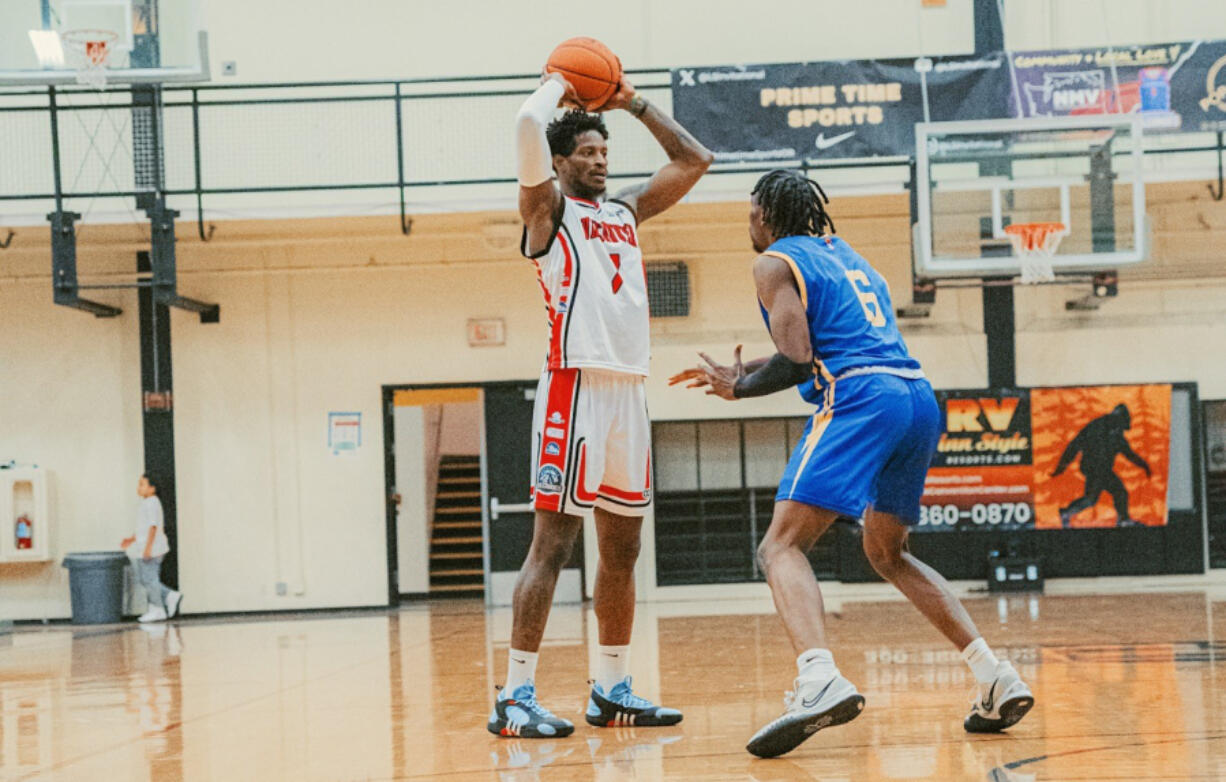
{"points": [[1126, 686]]}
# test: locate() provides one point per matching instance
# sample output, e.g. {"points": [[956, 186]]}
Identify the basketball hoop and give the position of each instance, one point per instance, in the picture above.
{"points": [[1035, 244], [87, 52]]}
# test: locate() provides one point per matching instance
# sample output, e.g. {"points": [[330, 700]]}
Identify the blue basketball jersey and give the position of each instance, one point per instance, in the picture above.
{"points": [[851, 318]]}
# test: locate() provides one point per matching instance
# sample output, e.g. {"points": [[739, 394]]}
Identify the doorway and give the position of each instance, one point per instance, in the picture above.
{"points": [[459, 519]]}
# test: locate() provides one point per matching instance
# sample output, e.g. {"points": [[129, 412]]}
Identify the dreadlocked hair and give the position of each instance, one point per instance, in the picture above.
{"points": [[792, 204], [563, 131]]}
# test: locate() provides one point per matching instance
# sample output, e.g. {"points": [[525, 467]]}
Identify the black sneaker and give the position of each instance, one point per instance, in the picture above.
{"points": [[519, 714], [622, 707]]}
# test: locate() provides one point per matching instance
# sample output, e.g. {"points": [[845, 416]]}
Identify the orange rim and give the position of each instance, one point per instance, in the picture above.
{"points": [[1032, 236]]}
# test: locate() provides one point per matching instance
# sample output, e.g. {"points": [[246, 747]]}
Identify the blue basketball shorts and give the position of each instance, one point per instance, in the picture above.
{"points": [[869, 443]]}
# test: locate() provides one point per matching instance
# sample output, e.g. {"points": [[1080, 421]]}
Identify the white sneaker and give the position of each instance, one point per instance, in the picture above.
{"points": [[173, 599], [1001, 704], [152, 615], [813, 705]]}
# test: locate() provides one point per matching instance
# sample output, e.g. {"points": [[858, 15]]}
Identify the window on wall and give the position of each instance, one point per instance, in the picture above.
{"points": [[715, 492]]}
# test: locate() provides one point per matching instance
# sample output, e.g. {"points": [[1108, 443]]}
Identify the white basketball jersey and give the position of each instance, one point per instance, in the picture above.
{"points": [[595, 288]]}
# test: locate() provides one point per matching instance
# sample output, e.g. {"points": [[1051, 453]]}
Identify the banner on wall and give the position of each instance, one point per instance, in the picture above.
{"points": [[852, 108], [1178, 86], [1050, 458], [869, 108], [983, 472]]}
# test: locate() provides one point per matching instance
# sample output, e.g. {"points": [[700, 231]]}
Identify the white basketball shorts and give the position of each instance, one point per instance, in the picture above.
{"points": [[591, 443]]}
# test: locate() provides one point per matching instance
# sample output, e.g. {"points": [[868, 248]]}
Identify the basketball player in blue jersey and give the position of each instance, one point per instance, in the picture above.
{"points": [[864, 453]]}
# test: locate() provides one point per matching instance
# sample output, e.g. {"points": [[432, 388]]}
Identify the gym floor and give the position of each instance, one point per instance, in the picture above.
{"points": [[1126, 683]]}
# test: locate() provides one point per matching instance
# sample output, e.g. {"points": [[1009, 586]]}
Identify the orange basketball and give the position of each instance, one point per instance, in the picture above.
{"points": [[590, 66]]}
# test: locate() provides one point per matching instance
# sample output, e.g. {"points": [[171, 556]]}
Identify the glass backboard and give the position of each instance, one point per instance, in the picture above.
{"points": [[977, 178], [149, 40]]}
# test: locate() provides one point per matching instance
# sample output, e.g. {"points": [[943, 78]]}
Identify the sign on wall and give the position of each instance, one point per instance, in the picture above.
{"points": [[487, 332], [344, 433], [851, 108], [1051, 458], [869, 108], [1179, 85], [983, 473]]}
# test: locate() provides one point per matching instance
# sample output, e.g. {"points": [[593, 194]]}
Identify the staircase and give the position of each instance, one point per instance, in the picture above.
{"points": [[455, 542]]}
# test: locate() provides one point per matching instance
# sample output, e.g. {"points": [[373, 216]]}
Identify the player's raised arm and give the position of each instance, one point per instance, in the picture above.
{"points": [[688, 159], [539, 199]]}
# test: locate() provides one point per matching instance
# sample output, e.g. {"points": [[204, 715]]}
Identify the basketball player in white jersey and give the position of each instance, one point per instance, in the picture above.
{"points": [[592, 438]]}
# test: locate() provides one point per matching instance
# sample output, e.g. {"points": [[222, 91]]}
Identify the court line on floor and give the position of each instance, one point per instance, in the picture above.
{"points": [[1000, 773]]}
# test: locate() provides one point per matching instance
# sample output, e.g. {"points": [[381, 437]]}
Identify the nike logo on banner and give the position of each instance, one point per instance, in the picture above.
{"points": [[821, 142], [521, 662], [809, 703]]}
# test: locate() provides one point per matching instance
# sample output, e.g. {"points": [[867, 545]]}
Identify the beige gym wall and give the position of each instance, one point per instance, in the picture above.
{"points": [[317, 315], [399, 39]]}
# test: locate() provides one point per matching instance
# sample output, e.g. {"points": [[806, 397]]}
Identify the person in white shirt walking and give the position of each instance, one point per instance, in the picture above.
{"points": [[151, 534]]}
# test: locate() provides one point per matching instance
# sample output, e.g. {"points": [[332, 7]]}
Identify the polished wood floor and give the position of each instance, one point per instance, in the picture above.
{"points": [[1129, 686]]}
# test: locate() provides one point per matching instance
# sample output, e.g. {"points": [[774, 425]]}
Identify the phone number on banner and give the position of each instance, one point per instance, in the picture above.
{"points": [[982, 514]]}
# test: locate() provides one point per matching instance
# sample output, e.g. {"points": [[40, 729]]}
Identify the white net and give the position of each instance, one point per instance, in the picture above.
{"points": [[87, 52], [1035, 244]]}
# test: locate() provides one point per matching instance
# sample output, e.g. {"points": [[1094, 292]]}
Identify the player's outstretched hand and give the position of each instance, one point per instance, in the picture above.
{"points": [[621, 98], [722, 379], [695, 377], [570, 98]]}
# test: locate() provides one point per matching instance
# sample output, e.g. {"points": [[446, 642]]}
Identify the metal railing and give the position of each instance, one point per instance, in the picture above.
{"points": [[217, 140], [228, 139]]}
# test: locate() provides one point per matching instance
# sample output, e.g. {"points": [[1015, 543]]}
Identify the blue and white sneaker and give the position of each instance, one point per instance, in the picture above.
{"points": [[519, 714], [622, 707]]}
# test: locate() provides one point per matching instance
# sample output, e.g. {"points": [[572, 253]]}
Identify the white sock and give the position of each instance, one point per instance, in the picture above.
{"points": [[521, 669], [981, 661], [612, 666], [816, 664]]}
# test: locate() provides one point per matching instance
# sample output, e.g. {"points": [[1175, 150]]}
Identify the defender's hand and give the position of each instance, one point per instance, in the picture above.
{"points": [[621, 98], [723, 379], [697, 377]]}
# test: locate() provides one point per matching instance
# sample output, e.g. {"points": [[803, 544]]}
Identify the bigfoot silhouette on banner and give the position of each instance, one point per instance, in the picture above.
{"points": [[1092, 428], [1098, 443]]}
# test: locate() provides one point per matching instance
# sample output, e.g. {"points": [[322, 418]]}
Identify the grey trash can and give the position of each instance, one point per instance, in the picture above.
{"points": [[96, 581]]}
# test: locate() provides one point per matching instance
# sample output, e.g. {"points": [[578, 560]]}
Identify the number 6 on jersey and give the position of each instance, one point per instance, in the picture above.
{"points": [[868, 299]]}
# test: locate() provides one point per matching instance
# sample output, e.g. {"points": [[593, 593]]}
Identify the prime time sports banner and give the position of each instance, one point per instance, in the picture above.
{"points": [[869, 108], [850, 108], [1050, 458]]}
